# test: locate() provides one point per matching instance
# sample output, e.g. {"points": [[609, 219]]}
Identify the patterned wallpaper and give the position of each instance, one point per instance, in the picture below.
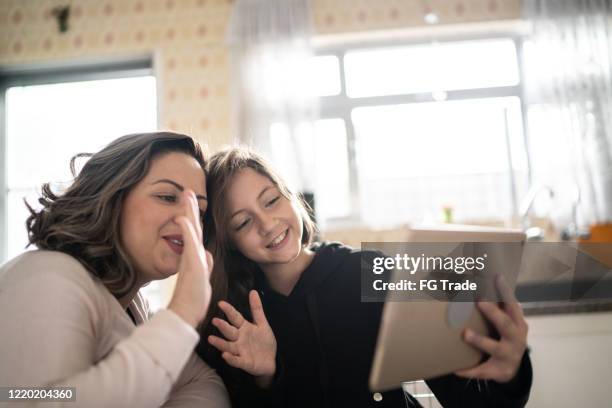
{"points": [[339, 16], [186, 38]]}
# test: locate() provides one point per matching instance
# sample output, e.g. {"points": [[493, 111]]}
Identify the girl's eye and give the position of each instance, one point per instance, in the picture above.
{"points": [[243, 224], [167, 198], [272, 201]]}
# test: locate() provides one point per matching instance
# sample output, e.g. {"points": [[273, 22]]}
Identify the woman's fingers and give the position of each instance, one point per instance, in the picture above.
{"points": [[192, 210], [190, 238], [226, 329], [191, 231], [209, 260], [234, 316], [192, 292], [197, 219], [257, 308], [194, 255]]}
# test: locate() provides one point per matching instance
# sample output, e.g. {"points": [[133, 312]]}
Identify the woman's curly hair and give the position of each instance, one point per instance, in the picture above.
{"points": [[84, 221]]}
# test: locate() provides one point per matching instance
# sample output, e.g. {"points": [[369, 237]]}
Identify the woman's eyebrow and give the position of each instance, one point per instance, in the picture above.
{"points": [[179, 187], [258, 197]]}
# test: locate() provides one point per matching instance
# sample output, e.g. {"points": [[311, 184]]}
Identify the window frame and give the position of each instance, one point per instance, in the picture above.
{"points": [[50, 73], [341, 105]]}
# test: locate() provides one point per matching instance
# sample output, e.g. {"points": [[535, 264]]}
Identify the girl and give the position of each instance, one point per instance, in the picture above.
{"points": [[296, 333]]}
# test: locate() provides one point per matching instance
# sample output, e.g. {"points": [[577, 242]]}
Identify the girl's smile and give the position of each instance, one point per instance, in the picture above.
{"points": [[279, 241], [264, 225]]}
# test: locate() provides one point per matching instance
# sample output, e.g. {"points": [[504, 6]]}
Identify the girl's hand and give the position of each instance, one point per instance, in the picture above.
{"points": [[192, 292], [507, 352], [248, 346]]}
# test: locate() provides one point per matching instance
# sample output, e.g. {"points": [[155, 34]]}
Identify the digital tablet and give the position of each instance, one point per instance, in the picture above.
{"points": [[422, 339]]}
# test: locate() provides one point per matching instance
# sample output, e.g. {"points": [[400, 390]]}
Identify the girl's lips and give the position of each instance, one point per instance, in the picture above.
{"points": [[175, 243], [280, 244]]}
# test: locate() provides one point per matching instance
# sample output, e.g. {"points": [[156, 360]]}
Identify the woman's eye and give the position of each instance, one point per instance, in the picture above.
{"points": [[243, 224], [272, 201], [167, 198]]}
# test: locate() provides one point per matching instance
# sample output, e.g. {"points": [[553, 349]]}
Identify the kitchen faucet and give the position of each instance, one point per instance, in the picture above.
{"points": [[532, 233]]}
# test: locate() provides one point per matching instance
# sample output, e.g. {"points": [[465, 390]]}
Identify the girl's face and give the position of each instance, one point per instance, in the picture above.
{"points": [[263, 225], [152, 238]]}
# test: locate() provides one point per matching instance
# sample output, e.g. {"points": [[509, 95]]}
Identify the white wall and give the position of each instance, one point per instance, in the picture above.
{"points": [[572, 360]]}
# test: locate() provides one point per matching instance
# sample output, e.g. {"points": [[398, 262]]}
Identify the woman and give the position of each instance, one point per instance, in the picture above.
{"points": [[312, 340], [71, 312]]}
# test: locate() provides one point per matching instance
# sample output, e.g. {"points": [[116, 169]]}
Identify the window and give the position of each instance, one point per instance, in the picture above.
{"points": [[431, 67], [412, 129], [51, 115]]}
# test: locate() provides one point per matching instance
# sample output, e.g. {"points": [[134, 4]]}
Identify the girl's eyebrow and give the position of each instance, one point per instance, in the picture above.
{"points": [[178, 187], [258, 197]]}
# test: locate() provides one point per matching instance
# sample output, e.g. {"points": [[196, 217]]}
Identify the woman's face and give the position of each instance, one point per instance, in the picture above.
{"points": [[149, 233], [263, 225]]}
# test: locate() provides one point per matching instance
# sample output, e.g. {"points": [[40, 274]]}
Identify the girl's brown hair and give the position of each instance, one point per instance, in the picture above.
{"points": [[233, 275], [84, 221]]}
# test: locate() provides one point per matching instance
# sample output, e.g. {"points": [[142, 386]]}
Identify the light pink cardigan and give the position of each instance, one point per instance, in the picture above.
{"points": [[60, 327]]}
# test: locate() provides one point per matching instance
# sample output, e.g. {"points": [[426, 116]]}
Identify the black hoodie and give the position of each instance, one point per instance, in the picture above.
{"points": [[326, 338]]}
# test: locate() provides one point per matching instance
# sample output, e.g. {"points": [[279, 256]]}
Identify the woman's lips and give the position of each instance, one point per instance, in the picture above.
{"points": [[175, 242]]}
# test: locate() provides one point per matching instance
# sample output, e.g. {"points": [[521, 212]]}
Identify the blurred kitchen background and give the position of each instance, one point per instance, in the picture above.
{"points": [[386, 114]]}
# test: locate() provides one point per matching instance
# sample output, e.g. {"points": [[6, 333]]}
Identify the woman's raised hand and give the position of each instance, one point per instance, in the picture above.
{"points": [[192, 292], [248, 346]]}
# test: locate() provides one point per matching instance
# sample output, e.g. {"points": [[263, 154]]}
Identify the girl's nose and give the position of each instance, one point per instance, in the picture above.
{"points": [[266, 223]]}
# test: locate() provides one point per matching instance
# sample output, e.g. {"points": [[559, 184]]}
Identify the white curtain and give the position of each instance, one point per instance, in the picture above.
{"points": [[568, 70], [274, 108]]}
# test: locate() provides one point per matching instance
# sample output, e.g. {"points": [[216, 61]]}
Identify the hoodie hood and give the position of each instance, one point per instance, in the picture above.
{"points": [[329, 256]]}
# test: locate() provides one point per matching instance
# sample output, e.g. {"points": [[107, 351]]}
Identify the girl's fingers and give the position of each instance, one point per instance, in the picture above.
{"points": [[486, 344], [474, 372], [222, 345], [485, 371], [229, 331], [502, 322], [234, 316], [489, 371], [511, 305], [232, 359], [257, 308]]}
